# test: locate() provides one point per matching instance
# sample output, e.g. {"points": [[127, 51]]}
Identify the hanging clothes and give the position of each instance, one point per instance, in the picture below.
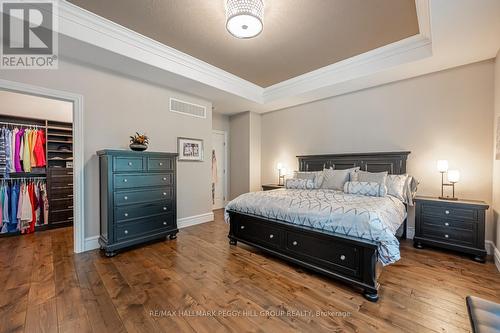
{"points": [[3, 161], [26, 152], [8, 152], [39, 149], [33, 137], [17, 150]]}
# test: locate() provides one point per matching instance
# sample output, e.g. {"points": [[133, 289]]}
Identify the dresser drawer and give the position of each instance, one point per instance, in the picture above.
{"points": [[259, 233], [61, 181], [325, 252], [60, 216], [131, 212], [454, 236], [55, 172], [128, 164], [59, 204], [160, 164], [438, 222], [132, 181], [449, 212], [133, 197], [144, 227], [60, 193]]}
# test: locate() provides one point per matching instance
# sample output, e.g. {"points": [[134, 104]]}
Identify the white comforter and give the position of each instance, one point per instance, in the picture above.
{"points": [[373, 218]]}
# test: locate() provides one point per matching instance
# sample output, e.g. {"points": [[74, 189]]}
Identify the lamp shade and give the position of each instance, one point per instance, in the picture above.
{"points": [[453, 176], [442, 165], [279, 166]]}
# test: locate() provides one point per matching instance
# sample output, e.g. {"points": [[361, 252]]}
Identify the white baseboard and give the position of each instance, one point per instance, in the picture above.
{"points": [[491, 249], [194, 220], [410, 232], [92, 243]]}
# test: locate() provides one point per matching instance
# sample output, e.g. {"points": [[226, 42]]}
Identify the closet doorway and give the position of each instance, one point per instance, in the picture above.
{"points": [[40, 161]]}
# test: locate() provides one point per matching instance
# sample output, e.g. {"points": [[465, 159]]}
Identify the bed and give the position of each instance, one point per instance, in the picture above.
{"points": [[351, 245]]}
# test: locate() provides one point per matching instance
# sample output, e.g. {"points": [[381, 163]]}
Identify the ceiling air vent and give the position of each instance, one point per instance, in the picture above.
{"points": [[188, 109]]}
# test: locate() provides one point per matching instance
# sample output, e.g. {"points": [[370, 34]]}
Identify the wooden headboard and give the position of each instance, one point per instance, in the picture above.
{"points": [[392, 162]]}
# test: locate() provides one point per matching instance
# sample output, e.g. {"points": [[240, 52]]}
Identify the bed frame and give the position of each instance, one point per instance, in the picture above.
{"points": [[348, 259]]}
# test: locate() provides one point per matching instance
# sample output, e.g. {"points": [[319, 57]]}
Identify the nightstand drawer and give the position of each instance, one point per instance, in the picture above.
{"points": [[449, 211], [455, 236], [438, 222]]}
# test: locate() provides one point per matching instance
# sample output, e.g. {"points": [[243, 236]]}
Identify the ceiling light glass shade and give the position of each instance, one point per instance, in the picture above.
{"points": [[244, 18]]}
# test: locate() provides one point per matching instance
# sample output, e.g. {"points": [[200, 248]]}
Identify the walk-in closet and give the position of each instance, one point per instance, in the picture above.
{"points": [[36, 164]]}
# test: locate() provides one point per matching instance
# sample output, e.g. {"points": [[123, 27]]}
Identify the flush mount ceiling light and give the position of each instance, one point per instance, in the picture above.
{"points": [[244, 18]]}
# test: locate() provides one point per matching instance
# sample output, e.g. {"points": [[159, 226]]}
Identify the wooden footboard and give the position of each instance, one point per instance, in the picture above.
{"points": [[348, 259]]}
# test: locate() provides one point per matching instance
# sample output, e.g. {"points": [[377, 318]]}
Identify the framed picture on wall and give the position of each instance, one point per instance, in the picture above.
{"points": [[190, 149]]}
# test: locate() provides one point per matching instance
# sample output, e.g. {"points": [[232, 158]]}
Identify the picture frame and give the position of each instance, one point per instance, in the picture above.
{"points": [[190, 149]]}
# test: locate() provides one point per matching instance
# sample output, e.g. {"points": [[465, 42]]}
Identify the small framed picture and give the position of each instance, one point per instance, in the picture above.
{"points": [[190, 149]]}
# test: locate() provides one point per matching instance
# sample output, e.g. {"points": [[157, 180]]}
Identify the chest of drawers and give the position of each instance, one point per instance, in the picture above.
{"points": [[137, 198], [454, 225]]}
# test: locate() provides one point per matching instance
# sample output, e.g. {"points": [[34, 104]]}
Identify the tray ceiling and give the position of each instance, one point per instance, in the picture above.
{"points": [[299, 35]]}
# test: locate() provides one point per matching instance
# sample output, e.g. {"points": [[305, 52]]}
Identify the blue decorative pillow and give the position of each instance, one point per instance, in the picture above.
{"points": [[299, 184], [371, 189]]}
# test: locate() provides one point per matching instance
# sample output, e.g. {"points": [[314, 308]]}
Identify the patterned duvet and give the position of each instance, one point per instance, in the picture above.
{"points": [[372, 218]]}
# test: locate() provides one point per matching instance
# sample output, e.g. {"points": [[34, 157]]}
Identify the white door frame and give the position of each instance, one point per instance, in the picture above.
{"points": [[78, 162], [225, 189]]}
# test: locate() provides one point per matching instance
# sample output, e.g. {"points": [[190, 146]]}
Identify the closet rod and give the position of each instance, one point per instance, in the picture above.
{"points": [[19, 124]]}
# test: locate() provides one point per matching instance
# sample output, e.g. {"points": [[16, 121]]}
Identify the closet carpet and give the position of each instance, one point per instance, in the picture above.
{"points": [[199, 283]]}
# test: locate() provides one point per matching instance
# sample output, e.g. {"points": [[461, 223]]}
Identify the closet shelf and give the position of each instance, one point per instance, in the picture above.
{"points": [[59, 141], [61, 159], [60, 151], [25, 175], [60, 135], [60, 128]]}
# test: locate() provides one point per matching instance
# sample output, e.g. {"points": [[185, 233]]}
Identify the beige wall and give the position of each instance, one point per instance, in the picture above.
{"points": [[245, 146], [22, 105], [444, 115], [115, 107], [220, 122], [255, 152], [496, 162], [240, 152]]}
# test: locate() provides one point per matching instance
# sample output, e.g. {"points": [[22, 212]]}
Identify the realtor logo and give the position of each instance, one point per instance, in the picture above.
{"points": [[29, 39]]}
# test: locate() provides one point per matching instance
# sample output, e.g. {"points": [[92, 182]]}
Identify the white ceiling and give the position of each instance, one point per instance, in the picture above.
{"points": [[452, 33]]}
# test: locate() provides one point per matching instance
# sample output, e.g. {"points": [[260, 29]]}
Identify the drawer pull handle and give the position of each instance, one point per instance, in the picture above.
{"points": [[126, 214], [342, 257], [164, 193], [446, 236], [447, 212], [242, 227], [70, 207], [161, 163], [70, 195], [295, 243], [70, 218], [125, 180], [271, 236], [130, 163], [164, 208], [125, 232], [165, 223], [125, 198], [70, 184], [164, 178], [446, 224]]}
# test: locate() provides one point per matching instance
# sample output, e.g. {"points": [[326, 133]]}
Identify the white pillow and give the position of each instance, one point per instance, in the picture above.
{"points": [[372, 189], [365, 176], [299, 184], [316, 176], [396, 186], [335, 179]]}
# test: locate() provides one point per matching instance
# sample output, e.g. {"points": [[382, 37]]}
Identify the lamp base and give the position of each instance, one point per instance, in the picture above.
{"points": [[448, 198]]}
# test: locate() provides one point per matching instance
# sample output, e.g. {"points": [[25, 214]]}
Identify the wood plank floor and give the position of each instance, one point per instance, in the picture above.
{"points": [[199, 283]]}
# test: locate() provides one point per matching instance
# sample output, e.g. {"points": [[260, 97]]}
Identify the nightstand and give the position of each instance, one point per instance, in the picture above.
{"points": [[269, 187], [453, 225]]}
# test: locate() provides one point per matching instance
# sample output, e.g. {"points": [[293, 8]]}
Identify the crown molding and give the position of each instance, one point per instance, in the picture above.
{"points": [[87, 27]]}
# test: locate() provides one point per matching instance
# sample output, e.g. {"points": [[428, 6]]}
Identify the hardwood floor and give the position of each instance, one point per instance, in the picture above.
{"points": [[162, 286]]}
